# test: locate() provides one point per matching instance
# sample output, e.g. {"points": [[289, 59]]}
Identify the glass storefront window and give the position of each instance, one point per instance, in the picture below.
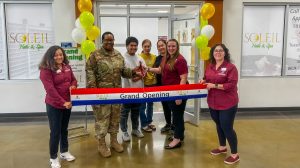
{"points": [[155, 9], [113, 9], [2, 69], [116, 25], [262, 45], [186, 9], [148, 28]]}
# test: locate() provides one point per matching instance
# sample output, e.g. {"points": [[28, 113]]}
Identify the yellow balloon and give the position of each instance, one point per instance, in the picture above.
{"points": [[85, 5], [203, 22], [205, 53], [93, 33], [207, 10], [87, 46], [86, 20]]}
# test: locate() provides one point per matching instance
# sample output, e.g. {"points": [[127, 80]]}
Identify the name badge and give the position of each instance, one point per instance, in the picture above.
{"points": [[223, 71]]}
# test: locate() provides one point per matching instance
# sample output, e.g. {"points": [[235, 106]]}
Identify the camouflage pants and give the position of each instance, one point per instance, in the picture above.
{"points": [[107, 119]]}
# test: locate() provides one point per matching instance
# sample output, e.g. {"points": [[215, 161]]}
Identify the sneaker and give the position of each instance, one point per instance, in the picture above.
{"points": [[147, 129], [67, 156], [152, 126], [166, 128], [231, 160], [218, 151], [54, 163], [125, 137], [137, 133]]}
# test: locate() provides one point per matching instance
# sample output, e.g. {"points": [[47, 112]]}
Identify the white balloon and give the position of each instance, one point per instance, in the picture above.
{"points": [[208, 31], [78, 35], [78, 24]]}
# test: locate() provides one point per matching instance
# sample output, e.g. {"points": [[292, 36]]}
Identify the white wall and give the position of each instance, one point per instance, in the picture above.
{"points": [[24, 96], [256, 92]]}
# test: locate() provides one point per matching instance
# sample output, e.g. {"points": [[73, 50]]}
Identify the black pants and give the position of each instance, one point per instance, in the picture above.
{"points": [[167, 112], [224, 120], [178, 121], [58, 122]]}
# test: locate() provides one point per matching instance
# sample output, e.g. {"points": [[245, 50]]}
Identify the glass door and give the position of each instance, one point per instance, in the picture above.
{"points": [[185, 27]]}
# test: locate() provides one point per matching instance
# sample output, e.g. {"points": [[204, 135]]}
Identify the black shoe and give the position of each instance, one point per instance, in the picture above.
{"points": [[173, 147], [166, 128], [171, 139]]}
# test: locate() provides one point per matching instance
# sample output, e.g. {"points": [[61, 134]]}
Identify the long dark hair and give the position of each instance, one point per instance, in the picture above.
{"points": [[226, 51], [163, 41], [171, 60], [48, 58], [162, 63]]}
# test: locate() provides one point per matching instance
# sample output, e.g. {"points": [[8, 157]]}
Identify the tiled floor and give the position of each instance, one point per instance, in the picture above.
{"points": [[265, 141]]}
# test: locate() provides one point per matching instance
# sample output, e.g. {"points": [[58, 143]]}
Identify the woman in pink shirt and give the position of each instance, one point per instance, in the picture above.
{"points": [[58, 79], [221, 77]]}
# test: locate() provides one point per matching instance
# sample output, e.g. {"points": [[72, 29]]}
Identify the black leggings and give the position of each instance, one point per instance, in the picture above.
{"points": [[58, 122], [224, 120], [167, 112]]}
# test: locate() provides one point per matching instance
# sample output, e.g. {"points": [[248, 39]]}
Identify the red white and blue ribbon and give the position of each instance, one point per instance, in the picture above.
{"points": [[93, 96]]}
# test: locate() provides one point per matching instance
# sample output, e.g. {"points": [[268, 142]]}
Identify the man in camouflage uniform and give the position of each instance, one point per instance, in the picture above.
{"points": [[104, 69]]}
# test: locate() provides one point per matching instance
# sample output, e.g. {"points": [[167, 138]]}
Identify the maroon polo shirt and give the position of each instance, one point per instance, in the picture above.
{"points": [[57, 85], [227, 75], [173, 77]]}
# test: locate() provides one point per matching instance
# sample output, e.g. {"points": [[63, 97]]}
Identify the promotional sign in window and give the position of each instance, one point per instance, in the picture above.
{"points": [[262, 44], [2, 75], [77, 63], [293, 42], [29, 35]]}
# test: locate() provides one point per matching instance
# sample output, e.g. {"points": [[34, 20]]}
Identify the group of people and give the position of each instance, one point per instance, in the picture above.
{"points": [[107, 68]]}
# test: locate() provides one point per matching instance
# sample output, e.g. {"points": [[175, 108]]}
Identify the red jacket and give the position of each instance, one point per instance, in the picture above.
{"points": [[227, 75], [57, 85]]}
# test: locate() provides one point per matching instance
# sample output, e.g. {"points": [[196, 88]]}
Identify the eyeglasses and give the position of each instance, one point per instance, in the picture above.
{"points": [[219, 51]]}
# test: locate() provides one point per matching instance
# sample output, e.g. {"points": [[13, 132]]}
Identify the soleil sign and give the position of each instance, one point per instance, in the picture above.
{"points": [[29, 40], [262, 40]]}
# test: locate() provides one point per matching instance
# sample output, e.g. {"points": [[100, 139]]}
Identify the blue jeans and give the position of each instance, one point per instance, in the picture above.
{"points": [[134, 115], [58, 122], [224, 120], [146, 114]]}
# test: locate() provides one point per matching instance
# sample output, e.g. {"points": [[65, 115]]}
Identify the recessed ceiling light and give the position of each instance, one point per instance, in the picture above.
{"points": [[162, 11]]}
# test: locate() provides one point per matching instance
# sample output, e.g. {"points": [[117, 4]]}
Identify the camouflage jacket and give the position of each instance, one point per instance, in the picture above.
{"points": [[104, 70]]}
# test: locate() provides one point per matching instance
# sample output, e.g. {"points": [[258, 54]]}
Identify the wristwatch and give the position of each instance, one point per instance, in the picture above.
{"points": [[216, 85]]}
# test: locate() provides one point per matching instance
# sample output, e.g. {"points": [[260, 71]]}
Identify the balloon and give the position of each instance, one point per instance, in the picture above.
{"points": [[203, 22], [208, 31], [86, 19], [93, 33], [205, 53], [201, 41], [88, 46], [78, 35], [207, 10], [78, 24], [85, 5]]}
